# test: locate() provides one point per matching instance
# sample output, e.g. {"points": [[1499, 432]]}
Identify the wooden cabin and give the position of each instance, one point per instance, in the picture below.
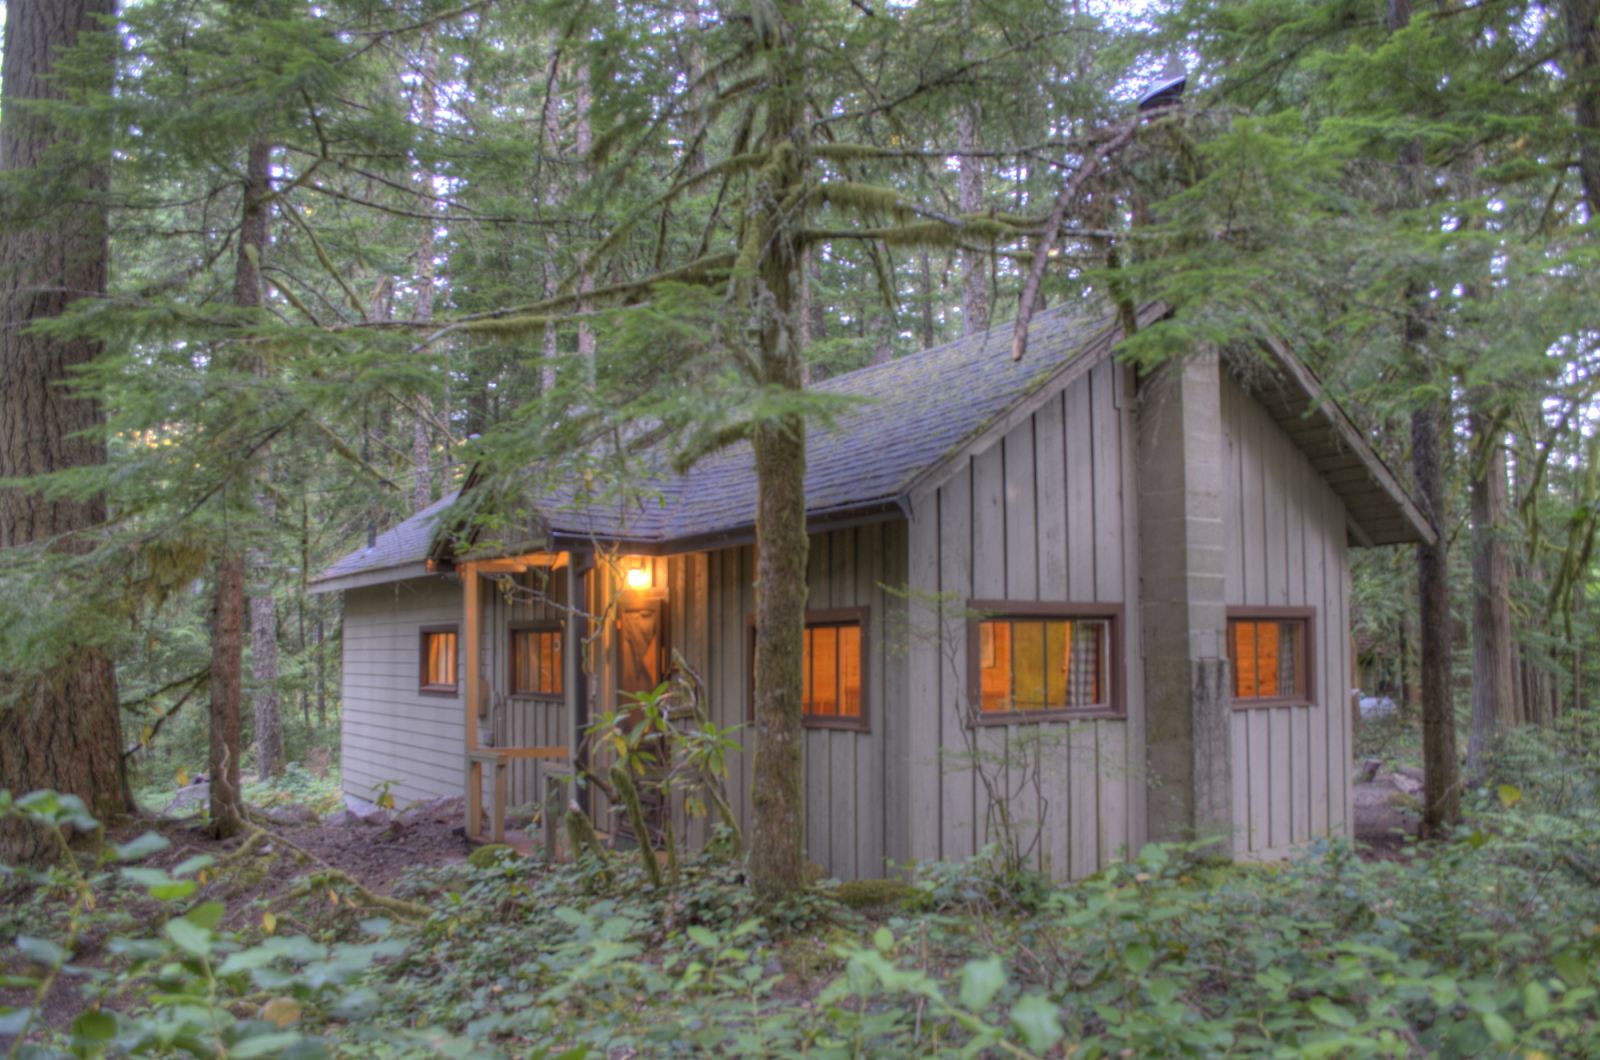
{"points": [[1120, 605]]}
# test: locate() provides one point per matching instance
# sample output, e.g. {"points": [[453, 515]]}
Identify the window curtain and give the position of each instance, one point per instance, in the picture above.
{"points": [[1083, 667], [1286, 658]]}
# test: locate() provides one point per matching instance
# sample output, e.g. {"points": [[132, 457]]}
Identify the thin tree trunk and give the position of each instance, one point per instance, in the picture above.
{"points": [[264, 643], [322, 671], [63, 733], [1441, 785], [227, 650], [1493, 690], [421, 444], [550, 143], [583, 143], [975, 268], [927, 300], [227, 613]]}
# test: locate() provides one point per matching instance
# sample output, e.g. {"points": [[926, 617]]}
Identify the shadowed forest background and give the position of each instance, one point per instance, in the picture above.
{"points": [[275, 275]]}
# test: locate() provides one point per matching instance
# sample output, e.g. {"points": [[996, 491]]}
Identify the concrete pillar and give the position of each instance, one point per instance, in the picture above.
{"points": [[1188, 692]]}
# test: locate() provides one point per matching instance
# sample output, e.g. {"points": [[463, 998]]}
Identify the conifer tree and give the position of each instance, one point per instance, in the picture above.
{"points": [[58, 729]]}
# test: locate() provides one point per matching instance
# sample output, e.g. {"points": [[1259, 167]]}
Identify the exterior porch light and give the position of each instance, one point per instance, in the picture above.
{"points": [[638, 575]]}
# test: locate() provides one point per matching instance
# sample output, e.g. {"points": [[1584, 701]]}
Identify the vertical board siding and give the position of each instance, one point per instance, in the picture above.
{"points": [[1285, 539], [391, 733], [1041, 514], [849, 776]]}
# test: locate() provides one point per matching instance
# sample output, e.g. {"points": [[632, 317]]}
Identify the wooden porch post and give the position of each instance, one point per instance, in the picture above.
{"points": [[471, 648]]}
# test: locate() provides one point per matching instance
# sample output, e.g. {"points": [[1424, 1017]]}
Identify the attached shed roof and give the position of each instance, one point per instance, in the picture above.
{"points": [[916, 412]]}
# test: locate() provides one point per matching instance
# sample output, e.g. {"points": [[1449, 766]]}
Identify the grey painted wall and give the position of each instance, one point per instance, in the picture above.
{"points": [[1045, 513], [1286, 546]]}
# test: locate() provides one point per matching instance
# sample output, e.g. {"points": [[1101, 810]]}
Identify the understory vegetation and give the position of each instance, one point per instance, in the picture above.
{"points": [[1483, 944]]}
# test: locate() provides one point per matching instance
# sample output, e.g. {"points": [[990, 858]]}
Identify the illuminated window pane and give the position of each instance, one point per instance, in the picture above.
{"points": [[439, 660], [995, 667], [825, 670], [1027, 665], [1057, 644], [850, 671], [1267, 656]]}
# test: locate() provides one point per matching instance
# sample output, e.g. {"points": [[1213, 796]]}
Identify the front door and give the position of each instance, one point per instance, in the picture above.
{"points": [[641, 667]]}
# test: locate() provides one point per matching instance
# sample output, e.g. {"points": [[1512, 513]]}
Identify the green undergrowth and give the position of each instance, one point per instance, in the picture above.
{"points": [[1484, 945]]}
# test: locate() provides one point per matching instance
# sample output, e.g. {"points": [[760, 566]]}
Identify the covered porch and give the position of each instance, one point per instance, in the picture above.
{"points": [[522, 644], [544, 636]]}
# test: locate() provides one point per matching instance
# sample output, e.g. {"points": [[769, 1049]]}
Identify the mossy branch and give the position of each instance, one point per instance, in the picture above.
{"points": [[623, 782]]}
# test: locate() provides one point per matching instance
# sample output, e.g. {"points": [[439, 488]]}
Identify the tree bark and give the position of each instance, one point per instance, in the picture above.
{"points": [[777, 837], [227, 613], [1441, 788], [227, 650], [421, 445], [264, 646], [1493, 682], [975, 266], [1582, 19], [64, 732]]}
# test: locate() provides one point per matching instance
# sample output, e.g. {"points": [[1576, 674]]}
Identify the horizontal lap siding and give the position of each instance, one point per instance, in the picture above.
{"points": [[1285, 536], [391, 733], [1043, 513]]}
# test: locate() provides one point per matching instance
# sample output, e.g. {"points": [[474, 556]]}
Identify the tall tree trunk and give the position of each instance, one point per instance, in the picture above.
{"points": [[227, 613], [427, 104], [264, 642], [1582, 19], [64, 732], [777, 835], [926, 275], [227, 650], [1441, 784], [1493, 688], [583, 143], [550, 142], [1441, 787], [975, 266]]}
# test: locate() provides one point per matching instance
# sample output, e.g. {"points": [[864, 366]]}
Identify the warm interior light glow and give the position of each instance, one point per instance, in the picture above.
{"points": [[637, 577]]}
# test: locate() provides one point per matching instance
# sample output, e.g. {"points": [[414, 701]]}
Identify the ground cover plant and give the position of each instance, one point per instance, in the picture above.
{"points": [[1483, 944]]}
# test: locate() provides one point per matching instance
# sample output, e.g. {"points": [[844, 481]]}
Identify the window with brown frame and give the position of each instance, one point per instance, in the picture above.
{"points": [[1032, 661], [834, 669], [437, 666], [1270, 655], [536, 662]]}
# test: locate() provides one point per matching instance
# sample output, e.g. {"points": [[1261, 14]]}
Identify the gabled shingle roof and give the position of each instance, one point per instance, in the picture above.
{"points": [[913, 413]]}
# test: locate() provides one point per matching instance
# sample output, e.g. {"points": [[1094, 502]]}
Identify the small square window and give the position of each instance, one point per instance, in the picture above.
{"points": [[438, 666], [536, 662], [1270, 659], [833, 670]]}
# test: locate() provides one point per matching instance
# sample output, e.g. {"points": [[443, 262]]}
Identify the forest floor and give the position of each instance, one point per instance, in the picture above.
{"points": [[375, 851], [379, 850]]}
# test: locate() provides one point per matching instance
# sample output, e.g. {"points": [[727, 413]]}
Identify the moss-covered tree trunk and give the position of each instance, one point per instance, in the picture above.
{"points": [[63, 733], [771, 249]]}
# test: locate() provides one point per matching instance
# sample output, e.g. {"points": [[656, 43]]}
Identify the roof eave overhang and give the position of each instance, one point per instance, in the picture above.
{"points": [[1379, 510], [372, 576], [818, 521]]}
